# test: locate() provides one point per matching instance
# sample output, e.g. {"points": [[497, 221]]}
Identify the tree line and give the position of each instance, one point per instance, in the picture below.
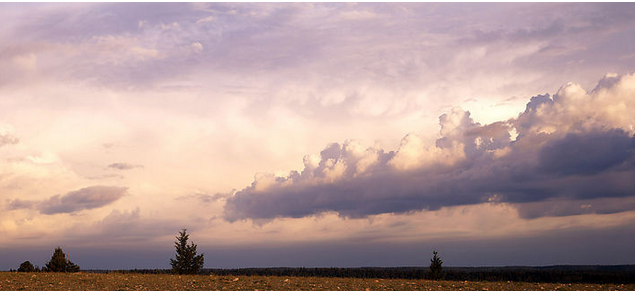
{"points": [[188, 261]]}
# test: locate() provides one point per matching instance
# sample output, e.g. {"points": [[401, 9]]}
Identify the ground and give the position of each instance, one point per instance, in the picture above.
{"points": [[89, 281]]}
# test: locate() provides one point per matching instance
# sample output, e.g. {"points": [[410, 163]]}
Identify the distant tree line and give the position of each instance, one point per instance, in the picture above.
{"points": [[187, 261], [552, 274]]}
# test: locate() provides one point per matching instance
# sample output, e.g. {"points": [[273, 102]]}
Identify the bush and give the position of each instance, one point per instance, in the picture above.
{"points": [[26, 267]]}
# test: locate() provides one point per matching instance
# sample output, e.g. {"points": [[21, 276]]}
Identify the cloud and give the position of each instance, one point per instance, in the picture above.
{"points": [[124, 166], [7, 139], [357, 15], [110, 176], [26, 62], [575, 148], [126, 226], [206, 19], [586, 154], [121, 228], [205, 198], [74, 201], [119, 50], [196, 47], [562, 207]]}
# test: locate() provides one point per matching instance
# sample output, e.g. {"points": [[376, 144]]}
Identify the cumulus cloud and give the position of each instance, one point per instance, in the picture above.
{"points": [[568, 151], [74, 201], [124, 166]]}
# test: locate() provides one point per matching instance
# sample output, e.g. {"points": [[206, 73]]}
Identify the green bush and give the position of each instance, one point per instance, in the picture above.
{"points": [[26, 266]]}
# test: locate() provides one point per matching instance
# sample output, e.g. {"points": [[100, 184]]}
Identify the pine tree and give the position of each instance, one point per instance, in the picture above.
{"points": [[186, 260], [436, 270], [59, 263]]}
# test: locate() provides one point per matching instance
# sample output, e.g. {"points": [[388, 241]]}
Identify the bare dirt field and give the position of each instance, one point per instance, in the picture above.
{"points": [[89, 281]]}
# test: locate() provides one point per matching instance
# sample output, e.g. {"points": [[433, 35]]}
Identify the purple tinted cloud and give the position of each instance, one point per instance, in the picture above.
{"points": [[124, 166], [74, 201], [572, 148], [204, 197], [252, 38], [586, 154]]}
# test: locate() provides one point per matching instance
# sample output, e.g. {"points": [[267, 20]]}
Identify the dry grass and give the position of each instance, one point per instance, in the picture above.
{"points": [[87, 281]]}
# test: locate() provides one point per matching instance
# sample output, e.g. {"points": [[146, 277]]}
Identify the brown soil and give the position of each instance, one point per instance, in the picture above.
{"points": [[114, 281]]}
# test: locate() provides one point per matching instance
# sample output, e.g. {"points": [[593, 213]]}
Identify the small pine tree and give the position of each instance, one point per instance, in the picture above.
{"points": [[186, 260], [26, 266], [436, 268], [59, 263]]}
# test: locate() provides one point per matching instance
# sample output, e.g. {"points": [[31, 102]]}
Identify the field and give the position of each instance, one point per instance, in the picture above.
{"points": [[113, 281]]}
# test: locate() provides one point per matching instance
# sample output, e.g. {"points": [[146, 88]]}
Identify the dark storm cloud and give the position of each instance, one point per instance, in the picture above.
{"points": [[124, 166], [563, 154], [586, 154], [74, 201], [469, 183]]}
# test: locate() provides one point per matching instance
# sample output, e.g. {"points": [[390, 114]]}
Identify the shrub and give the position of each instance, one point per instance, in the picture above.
{"points": [[26, 266]]}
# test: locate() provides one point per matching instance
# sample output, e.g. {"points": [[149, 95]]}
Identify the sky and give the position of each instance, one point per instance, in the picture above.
{"points": [[317, 134]]}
